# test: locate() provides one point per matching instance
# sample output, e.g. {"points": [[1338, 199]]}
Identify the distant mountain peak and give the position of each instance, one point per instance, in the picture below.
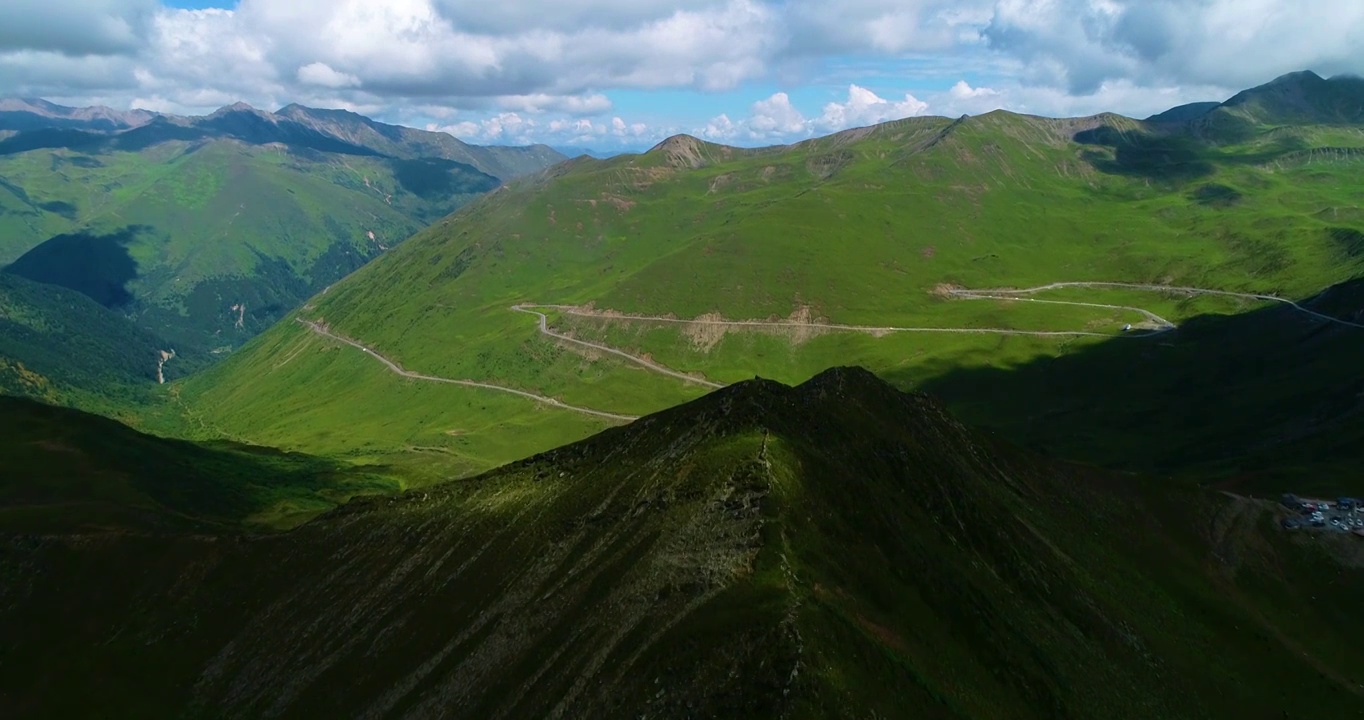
{"points": [[1301, 97], [235, 107], [1296, 78], [687, 151], [681, 141]]}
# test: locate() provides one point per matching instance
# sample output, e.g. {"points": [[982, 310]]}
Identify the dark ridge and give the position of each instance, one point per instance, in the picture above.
{"points": [[1184, 113], [49, 137]]}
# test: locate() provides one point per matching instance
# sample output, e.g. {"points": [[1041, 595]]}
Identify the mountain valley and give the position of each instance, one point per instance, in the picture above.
{"points": [[204, 231], [906, 248], [306, 415]]}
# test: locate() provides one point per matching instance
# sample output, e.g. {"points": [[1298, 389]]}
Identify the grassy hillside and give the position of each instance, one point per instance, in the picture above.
{"points": [[68, 471], [878, 228], [832, 550], [208, 230], [183, 236]]}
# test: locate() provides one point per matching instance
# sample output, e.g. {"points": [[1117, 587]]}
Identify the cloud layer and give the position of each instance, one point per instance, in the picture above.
{"points": [[520, 70]]}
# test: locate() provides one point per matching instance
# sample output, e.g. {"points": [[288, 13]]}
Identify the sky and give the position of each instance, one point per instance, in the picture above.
{"points": [[623, 74]]}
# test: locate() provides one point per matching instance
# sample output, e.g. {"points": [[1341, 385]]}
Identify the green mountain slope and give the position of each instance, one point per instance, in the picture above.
{"points": [[207, 230], [870, 246], [67, 471], [833, 550], [61, 346]]}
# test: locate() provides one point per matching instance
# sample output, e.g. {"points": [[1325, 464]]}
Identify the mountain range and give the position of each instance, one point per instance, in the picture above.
{"points": [[205, 230], [964, 417], [923, 249]]}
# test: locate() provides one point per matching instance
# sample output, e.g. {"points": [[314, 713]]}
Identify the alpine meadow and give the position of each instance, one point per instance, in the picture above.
{"points": [[512, 369]]}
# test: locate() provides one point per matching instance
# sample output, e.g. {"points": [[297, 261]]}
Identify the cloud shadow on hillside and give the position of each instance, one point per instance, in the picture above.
{"points": [[1170, 157], [97, 266]]}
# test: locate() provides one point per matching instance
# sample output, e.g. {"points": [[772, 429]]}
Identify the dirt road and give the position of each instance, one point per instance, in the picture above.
{"points": [[1164, 289], [651, 365], [871, 330], [1158, 325], [395, 367]]}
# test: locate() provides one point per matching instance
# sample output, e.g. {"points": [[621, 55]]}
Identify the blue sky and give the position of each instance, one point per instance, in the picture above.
{"points": [[626, 73]]}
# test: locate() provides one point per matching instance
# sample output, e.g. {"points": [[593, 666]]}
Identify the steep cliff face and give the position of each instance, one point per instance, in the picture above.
{"points": [[838, 549]]}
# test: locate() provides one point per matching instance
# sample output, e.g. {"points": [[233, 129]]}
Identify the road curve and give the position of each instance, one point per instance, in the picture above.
{"points": [[1162, 325], [396, 368], [1169, 289], [544, 330]]}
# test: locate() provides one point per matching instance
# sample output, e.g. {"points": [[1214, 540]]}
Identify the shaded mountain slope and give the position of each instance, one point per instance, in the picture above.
{"points": [[837, 549], [1264, 401], [61, 346], [1302, 98], [65, 471]]}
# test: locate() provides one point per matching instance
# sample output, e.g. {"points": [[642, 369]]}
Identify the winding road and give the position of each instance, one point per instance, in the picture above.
{"points": [[1161, 324], [1004, 292], [544, 330], [395, 367]]}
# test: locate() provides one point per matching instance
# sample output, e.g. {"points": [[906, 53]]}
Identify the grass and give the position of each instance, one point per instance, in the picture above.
{"points": [[66, 470], [858, 229], [218, 224]]}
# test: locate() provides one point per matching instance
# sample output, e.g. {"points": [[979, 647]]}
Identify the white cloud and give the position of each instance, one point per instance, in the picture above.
{"points": [[517, 129], [454, 62], [1121, 95], [776, 119], [775, 116], [75, 27], [865, 107], [1079, 44], [322, 75], [589, 104]]}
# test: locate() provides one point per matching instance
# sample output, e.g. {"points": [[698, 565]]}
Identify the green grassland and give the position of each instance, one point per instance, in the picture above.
{"points": [[861, 228], [211, 225], [832, 550]]}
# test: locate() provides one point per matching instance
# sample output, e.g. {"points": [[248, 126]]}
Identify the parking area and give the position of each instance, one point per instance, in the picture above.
{"points": [[1339, 515]]}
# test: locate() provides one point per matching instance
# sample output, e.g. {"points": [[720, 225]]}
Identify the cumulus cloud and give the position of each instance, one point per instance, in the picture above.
{"points": [[590, 104], [865, 107], [453, 62], [323, 75], [1122, 95], [777, 119], [518, 129], [889, 26], [1080, 44], [75, 27]]}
